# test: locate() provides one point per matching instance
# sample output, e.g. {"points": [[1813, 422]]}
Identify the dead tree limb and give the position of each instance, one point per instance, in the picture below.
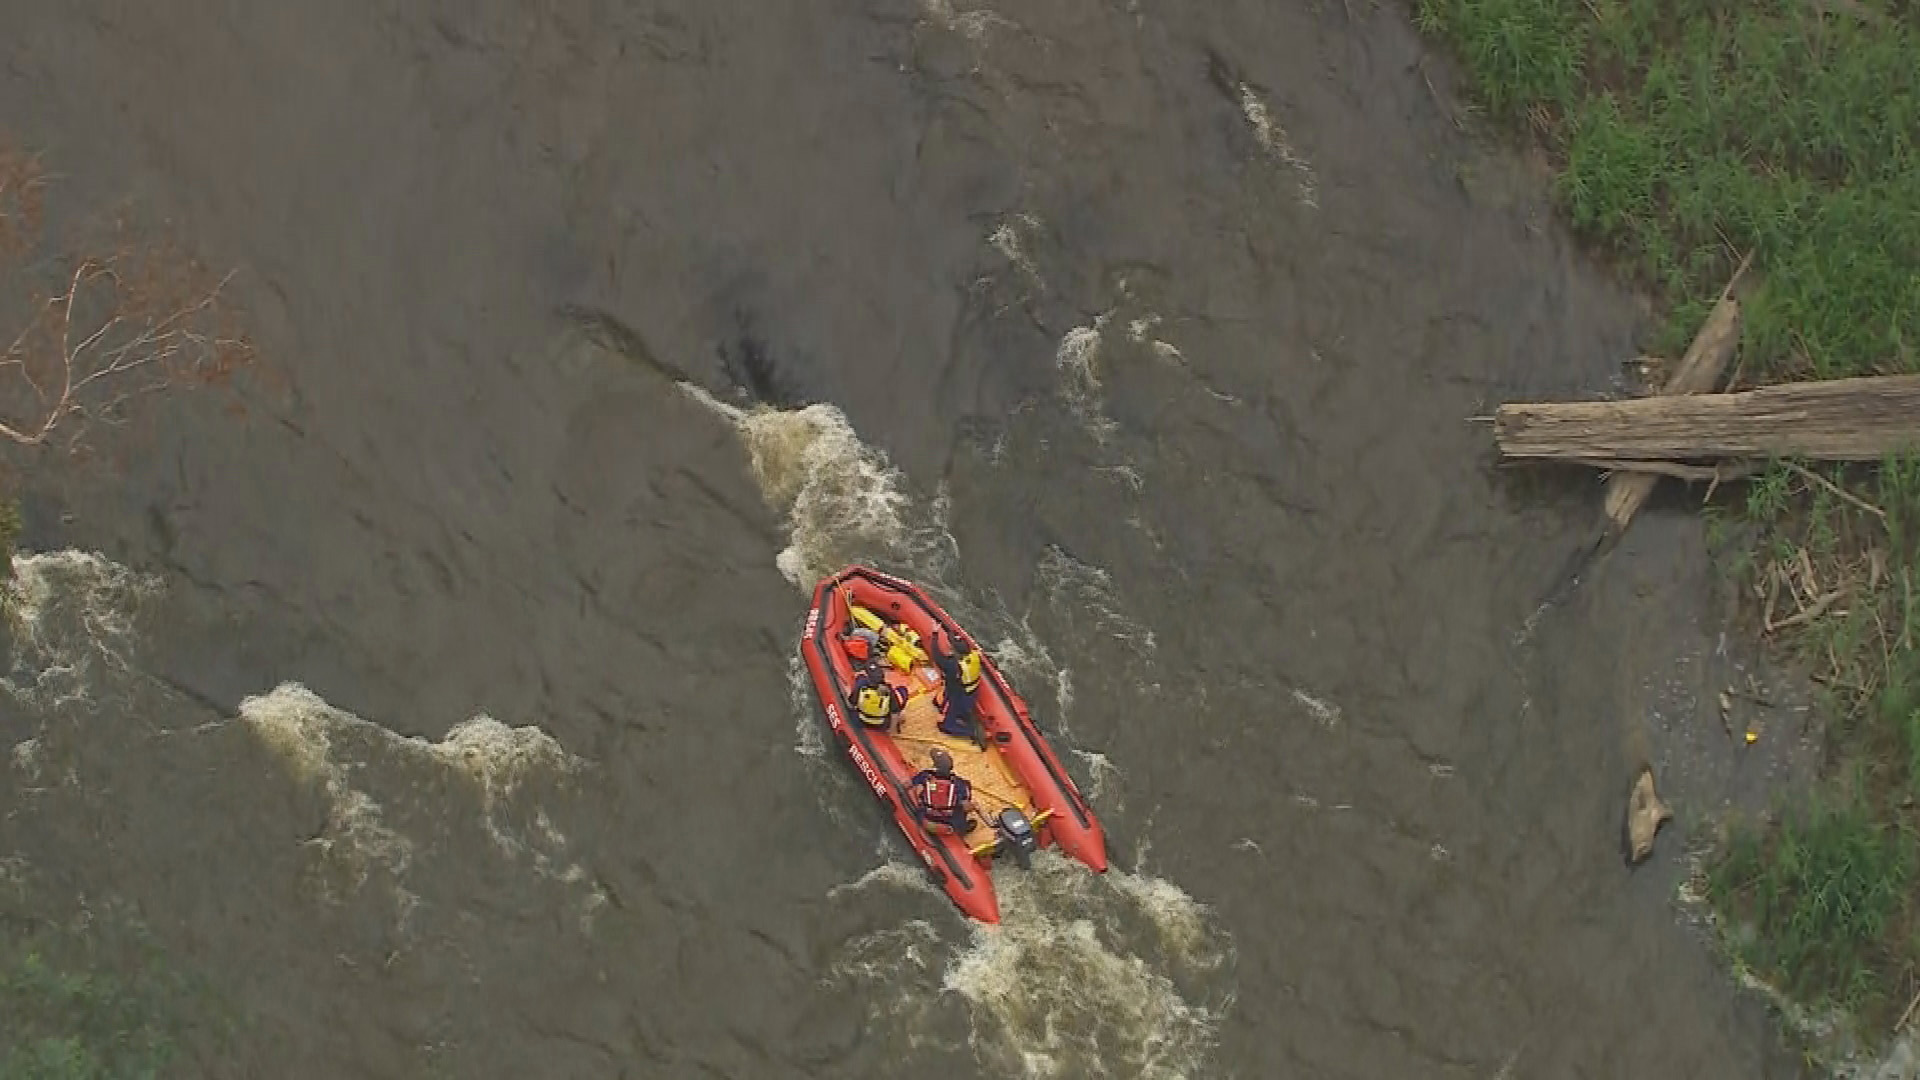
{"points": [[1835, 489], [135, 321]]}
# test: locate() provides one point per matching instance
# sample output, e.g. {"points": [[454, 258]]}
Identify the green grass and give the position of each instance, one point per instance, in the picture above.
{"points": [[1823, 890], [1687, 134]]}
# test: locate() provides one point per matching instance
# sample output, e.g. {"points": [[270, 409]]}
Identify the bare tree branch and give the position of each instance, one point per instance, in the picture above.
{"points": [[140, 319]]}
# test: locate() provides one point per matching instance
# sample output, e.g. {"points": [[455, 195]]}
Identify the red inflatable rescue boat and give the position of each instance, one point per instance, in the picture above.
{"points": [[863, 620]]}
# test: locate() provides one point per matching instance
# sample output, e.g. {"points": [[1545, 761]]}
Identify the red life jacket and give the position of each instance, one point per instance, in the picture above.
{"points": [[940, 794], [857, 648]]}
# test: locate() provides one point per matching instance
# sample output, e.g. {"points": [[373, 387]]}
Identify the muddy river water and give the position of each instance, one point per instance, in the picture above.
{"points": [[443, 709]]}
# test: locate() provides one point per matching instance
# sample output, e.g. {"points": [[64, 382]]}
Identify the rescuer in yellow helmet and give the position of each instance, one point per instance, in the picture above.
{"points": [[960, 678], [875, 702]]}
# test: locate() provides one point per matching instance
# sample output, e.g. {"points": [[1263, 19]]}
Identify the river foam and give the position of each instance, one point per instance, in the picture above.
{"points": [[329, 747], [72, 617], [75, 620], [844, 501], [1086, 975]]}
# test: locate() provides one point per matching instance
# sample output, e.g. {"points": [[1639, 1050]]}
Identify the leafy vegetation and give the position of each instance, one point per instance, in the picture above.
{"points": [[9, 533], [67, 1022], [96, 998], [1823, 889], [1685, 135]]}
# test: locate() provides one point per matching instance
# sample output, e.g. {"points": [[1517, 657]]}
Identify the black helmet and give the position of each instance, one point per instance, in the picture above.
{"points": [[942, 761]]}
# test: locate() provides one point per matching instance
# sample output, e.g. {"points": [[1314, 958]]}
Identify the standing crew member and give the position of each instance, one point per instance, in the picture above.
{"points": [[942, 796], [960, 679]]}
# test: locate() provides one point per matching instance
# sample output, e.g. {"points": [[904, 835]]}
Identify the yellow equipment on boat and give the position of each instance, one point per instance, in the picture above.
{"points": [[903, 645]]}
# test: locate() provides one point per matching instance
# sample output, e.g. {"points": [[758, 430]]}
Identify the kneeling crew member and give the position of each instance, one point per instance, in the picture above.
{"points": [[943, 796], [875, 702]]}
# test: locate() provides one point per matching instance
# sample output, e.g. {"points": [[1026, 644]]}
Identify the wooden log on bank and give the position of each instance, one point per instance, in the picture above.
{"points": [[1698, 373], [1863, 419]]}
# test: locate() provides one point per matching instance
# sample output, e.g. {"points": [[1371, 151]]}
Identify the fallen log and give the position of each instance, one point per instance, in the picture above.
{"points": [[1698, 373], [1863, 419]]}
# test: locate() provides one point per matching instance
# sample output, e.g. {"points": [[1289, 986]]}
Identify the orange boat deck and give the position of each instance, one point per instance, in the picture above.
{"points": [[995, 785]]}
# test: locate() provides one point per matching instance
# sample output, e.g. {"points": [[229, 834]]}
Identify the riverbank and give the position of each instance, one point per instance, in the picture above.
{"points": [[1683, 139]]}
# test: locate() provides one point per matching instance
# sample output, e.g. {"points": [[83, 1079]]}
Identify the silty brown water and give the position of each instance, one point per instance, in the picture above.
{"points": [[1144, 332]]}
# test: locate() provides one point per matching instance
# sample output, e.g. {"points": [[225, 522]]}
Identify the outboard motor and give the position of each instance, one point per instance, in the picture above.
{"points": [[1017, 837]]}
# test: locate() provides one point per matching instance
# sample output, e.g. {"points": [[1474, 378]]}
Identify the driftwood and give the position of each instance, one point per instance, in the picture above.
{"points": [[1646, 812], [1864, 419], [1698, 373]]}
